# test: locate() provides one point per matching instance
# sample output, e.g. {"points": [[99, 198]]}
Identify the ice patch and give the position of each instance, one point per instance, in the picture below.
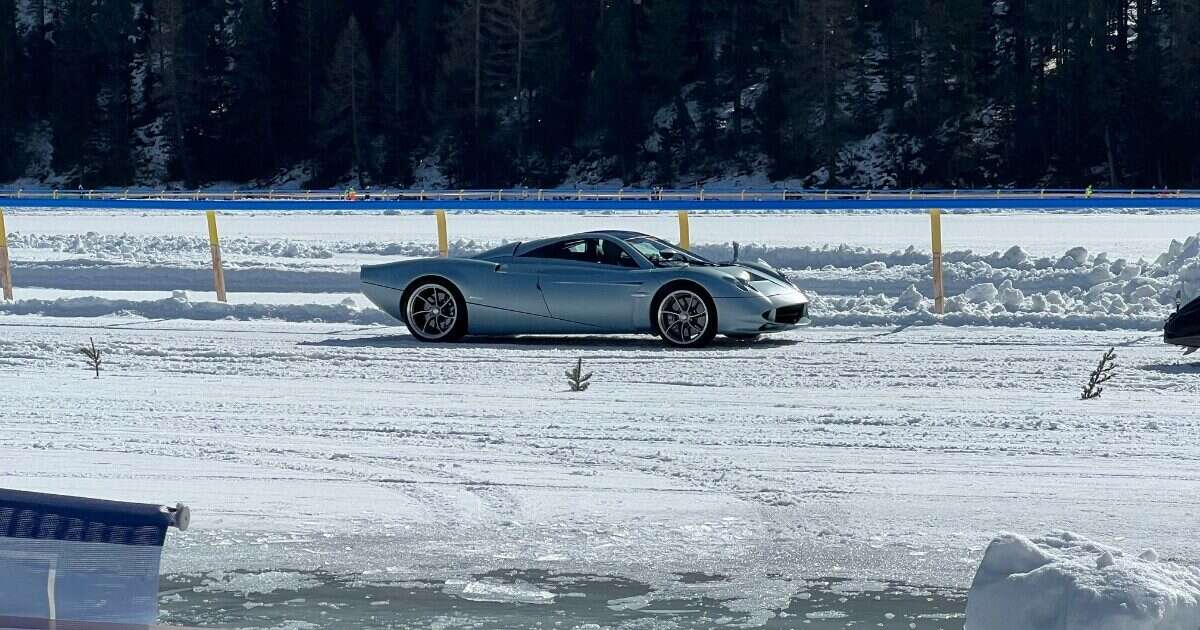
{"points": [[487, 591], [1065, 582], [257, 583]]}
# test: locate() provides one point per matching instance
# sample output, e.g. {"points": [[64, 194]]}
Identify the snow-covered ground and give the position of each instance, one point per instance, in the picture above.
{"points": [[1085, 271], [868, 453], [313, 438]]}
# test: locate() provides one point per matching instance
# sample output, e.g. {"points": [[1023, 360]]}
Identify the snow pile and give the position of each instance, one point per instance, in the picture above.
{"points": [[181, 306], [1066, 582], [1076, 290], [166, 248], [849, 285]]}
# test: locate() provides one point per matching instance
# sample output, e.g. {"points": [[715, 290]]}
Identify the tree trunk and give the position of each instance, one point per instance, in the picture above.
{"points": [[475, 154], [521, 104], [478, 59], [1112, 167], [310, 111], [736, 83], [354, 120]]}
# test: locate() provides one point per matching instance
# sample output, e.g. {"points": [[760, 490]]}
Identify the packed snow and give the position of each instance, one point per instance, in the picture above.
{"points": [[318, 444], [1075, 286], [1063, 581]]}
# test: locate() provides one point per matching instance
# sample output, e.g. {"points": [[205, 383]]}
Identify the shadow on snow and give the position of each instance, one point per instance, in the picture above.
{"points": [[543, 341]]}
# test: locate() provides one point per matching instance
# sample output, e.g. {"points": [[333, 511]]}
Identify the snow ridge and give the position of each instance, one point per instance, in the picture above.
{"points": [[1066, 582]]}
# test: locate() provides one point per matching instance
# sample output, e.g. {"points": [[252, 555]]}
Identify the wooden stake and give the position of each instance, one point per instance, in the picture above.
{"points": [[443, 238], [215, 244], [939, 288], [5, 268], [685, 235]]}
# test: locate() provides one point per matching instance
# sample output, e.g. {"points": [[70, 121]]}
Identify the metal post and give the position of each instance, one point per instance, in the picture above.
{"points": [[5, 269], [685, 236], [443, 238], [214, 243], [939, 287]]}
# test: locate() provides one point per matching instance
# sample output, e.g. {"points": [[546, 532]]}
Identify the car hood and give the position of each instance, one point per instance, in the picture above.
{"points": [[762, 276]]}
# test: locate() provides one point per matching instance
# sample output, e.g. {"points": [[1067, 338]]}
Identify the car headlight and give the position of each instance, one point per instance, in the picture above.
{"points": [[742, 284]]}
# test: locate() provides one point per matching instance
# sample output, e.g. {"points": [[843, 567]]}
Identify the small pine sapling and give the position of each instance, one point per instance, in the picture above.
{"points": [[1101, 375], [576, 379], [93, 356]]}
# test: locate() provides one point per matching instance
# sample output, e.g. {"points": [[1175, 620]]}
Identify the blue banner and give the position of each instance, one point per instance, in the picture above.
{"points": [[81, 559]]}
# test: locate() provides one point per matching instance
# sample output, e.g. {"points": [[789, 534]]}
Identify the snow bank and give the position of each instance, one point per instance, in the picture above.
{"points": [[1077, 290], [1066, 582], [181, 306], [849, 285], [165, 248]]}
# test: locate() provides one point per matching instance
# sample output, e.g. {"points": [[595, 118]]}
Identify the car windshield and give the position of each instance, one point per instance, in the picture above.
{"points": [[654, 249]]}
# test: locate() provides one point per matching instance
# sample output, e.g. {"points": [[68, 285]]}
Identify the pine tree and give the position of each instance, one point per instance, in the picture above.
{"points": [[818, 55], [664, 53], [461, 93], [249, 123], [1177, 160], [397, 103], [107, 155], [12, 104], [518, 32], [73, 89], [615, 93], [179, 50], [344, 117]]}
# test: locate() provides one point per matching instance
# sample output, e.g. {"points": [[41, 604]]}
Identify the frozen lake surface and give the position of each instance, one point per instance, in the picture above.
{"points": [[530, 600], [332, 463], [865, 453]]}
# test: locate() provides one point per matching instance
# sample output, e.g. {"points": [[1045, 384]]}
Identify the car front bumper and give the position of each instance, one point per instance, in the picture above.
{"points": [[754, 314]]}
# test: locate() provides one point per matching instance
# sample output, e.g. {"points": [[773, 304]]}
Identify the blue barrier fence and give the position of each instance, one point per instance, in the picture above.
{"points": [[611, 203]]}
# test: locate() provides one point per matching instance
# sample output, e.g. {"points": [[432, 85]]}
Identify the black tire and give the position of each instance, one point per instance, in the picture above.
{"points": [[744, 338], [434, 311], [688, 301]]}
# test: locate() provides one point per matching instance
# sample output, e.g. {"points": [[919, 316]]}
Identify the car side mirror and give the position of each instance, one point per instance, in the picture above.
{"points": [[667, 255]]}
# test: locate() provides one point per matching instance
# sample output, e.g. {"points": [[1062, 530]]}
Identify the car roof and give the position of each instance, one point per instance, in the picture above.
{"points": [[621, 235]]}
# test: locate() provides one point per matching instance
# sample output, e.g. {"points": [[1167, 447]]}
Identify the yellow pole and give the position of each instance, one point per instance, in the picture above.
{"points": [[443, 240], [5, 270], [685, 235], [939, 288], [214, 243]]}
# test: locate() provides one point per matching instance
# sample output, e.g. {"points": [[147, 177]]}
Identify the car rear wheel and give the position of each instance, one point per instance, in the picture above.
{"points": [[686, 318], [433, 311]]}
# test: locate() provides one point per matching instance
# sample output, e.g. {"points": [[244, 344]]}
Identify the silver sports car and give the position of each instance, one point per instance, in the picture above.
{"points": [[596, 282]]}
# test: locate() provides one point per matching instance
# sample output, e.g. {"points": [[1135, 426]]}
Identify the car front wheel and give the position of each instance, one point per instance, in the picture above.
{"points": [[686, 318]]}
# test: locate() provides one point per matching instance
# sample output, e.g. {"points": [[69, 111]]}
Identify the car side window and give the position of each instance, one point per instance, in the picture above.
{"points": [[613, 254], [577, 250], [588, 250]]}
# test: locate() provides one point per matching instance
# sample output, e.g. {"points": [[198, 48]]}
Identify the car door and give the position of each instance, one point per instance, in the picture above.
{"points": [[594, 283], [507, 300]]}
